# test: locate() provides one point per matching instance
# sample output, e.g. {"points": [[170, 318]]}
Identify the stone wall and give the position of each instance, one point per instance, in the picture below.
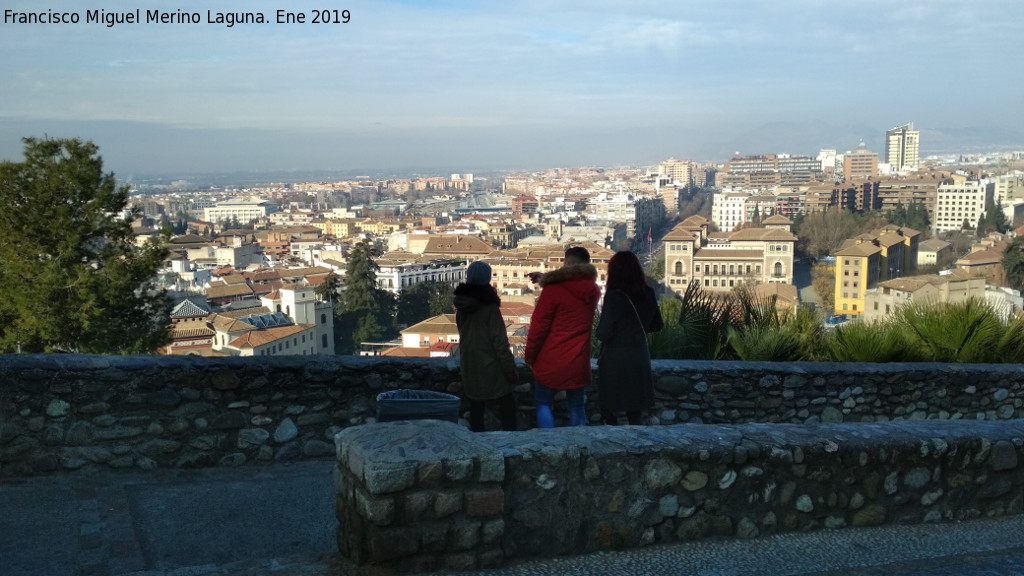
{"points": [[69, 412], [427, 495]]}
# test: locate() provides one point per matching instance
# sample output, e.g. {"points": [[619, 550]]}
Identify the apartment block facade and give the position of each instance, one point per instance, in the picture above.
{"points": [[860, 164], [960, 203]]}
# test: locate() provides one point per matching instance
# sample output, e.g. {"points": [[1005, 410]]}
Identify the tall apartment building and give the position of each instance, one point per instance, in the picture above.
{"points": [[860, 164], [901, 148], [960, 203], [680, 171], [722, 262]]}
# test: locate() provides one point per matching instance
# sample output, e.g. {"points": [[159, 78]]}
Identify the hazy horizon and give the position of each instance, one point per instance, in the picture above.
{"points": [[410, 85]]}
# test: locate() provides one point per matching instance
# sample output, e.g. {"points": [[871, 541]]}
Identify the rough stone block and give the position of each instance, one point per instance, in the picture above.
{"points": [[379, 510], [1004, 456], [491, 558], [429, 474], [695, 480], [492, 531], [416, 504], [434, 537], [492, 468], [661, 473], [466, 535], [389, 545], [482, 503], [388, 478], [458, 469], [447, 503]]}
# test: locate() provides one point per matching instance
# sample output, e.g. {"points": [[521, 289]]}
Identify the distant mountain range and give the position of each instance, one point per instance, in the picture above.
{"points": [[806, 138]]}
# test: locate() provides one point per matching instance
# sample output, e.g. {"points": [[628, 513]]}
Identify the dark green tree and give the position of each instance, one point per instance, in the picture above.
{"points": [[361, 291], [424, 300], [913, 216], [361, 298], [993, 220], [328, 290], [1013, 263], [71, 276]]}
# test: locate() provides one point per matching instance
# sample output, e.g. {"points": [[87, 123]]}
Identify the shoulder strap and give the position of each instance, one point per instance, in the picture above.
{"points": [[633, 306]]}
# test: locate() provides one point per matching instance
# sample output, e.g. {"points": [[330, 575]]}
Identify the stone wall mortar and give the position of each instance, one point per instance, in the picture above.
{"points": [[67, 412]]}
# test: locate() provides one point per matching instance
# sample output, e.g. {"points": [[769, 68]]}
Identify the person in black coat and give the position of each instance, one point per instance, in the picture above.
{"points": [[630, 312]]}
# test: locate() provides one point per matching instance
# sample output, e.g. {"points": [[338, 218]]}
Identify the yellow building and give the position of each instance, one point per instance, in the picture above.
{"points": [[857, 270], [887, 253]]}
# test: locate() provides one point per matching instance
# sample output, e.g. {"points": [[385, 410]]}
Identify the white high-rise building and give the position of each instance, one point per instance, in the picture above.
{"points": [[728, 210], [901, 148], [958, 203]]}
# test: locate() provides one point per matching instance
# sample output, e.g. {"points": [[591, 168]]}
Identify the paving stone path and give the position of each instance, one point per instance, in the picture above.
{"points": [[277, 520]]}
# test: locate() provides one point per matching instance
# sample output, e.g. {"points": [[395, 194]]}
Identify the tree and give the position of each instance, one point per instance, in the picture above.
{"points": [[1013, 263], [913, 216], [823, 280], [71, 275], [822, 233], [424, 300], [361, 292], [360, 299], [993, 220], [328, 290]]}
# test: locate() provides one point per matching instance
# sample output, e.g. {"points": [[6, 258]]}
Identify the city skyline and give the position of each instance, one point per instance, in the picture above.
{"points": [[409, 84]]}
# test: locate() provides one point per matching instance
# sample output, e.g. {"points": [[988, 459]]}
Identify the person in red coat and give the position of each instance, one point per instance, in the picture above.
{"points": [[558, 343]]}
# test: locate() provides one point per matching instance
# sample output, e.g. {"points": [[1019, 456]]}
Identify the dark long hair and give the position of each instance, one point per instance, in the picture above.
{"points": [[625, 273]]}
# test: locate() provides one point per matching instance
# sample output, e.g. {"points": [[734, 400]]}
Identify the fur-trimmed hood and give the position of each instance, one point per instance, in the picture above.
{"points": [[567, 273]]}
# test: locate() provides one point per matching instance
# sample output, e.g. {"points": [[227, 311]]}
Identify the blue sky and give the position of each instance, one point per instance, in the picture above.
{"points": [[470, 85]]}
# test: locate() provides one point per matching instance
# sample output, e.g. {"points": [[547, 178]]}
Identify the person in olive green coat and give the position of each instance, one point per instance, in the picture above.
{"points": [[488, 368]]}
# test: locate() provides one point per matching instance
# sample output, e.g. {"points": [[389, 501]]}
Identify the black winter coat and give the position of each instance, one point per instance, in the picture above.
{"points": [[624, 368]]}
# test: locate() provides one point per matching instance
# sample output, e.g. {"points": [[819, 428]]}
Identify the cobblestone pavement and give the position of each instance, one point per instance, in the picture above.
{"points": [[277, 520]]}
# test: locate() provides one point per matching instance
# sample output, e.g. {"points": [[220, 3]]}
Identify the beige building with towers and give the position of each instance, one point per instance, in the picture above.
{"points": [[901, 148], [719, 262]]}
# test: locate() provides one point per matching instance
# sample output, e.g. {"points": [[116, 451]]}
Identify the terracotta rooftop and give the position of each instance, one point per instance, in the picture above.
{"points": [[228, 324], [400, 352], [763, 234], [258, 338], [228, 291], [458, 244], [777, 219], [441, 324], [932, 244], [862, 249]]}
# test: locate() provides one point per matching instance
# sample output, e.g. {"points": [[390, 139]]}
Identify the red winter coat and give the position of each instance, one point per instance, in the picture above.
{"points": [[558, 344]]}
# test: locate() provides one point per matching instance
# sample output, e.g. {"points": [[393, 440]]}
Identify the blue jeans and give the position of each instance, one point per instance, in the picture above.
{"points": [[544, 397]]}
